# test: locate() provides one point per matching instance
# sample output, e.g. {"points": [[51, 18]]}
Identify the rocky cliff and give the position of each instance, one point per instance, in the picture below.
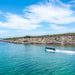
{"points": [[43, 40]]}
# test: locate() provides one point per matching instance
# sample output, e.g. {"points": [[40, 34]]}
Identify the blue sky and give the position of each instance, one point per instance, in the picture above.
{"points": [[36, 17]]}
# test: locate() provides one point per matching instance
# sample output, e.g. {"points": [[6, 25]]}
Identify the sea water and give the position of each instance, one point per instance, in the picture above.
{"points": [[30, 59]]}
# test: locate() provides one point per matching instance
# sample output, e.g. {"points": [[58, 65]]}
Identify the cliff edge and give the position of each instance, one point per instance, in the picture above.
{"points": [[68, 38]]}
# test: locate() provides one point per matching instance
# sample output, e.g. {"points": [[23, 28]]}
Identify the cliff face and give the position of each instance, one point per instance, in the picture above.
{"points": [[45, 40]]}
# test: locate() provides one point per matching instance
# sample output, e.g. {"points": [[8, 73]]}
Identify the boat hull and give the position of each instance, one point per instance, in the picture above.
{"points": [[50, 50]]}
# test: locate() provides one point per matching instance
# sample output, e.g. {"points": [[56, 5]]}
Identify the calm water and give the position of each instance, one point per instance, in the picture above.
{"points": [[20, 59]]}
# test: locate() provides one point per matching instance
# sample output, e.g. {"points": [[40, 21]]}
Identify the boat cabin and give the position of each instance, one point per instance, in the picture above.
{"points": [[50, 48]]}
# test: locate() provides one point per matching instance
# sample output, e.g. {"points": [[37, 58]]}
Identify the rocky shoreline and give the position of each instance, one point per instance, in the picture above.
{"points": [[43, 40]]}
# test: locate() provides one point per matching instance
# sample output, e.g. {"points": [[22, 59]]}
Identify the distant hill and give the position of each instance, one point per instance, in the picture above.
{"points": [[67, 38], [54, 35]]}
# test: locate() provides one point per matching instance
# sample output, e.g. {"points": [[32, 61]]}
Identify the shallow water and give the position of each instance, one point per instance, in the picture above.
{"points": [[20, 59]]}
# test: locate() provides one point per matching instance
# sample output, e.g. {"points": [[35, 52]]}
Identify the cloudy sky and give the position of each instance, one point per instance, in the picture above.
{"points": [[36, 17]]}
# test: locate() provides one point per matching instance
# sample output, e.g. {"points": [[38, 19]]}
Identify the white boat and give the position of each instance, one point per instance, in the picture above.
{"points": [[51, 49]]}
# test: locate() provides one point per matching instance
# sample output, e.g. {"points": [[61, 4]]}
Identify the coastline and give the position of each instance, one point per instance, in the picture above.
{"points": [[63, 40]]}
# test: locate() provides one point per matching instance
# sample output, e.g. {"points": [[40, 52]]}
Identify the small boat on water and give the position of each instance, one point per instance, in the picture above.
{"points": [[51, 49]]}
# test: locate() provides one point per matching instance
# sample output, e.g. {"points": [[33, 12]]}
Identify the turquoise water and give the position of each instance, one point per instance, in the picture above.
{"points": [[20, 59]]}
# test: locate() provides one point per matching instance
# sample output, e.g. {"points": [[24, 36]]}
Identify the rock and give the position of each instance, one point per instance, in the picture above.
{"points": [[44, 40]]}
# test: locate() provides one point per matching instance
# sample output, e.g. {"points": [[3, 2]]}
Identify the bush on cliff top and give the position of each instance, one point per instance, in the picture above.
{"points": [[54, 35]]}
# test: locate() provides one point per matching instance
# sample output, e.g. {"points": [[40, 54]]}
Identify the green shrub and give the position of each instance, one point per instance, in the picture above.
{"points": [[26, 41]]}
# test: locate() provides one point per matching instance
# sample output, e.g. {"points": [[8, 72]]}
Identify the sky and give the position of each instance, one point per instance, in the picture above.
{"points": [[36, 17]]}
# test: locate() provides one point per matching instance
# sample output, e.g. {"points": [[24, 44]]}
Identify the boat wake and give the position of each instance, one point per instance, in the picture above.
{"points": [[65, 51]]}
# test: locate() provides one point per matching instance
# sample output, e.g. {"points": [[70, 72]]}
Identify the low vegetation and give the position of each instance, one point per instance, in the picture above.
{"points": [[26, 41], [14, 38], [54, 35]]}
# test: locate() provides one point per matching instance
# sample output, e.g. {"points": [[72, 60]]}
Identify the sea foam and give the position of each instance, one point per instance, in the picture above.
{"points": [[65, 51]]}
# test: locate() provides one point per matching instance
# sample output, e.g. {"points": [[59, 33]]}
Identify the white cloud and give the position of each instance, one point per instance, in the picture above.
{"points": [[61, 28], [63, 4], [17, 22], [60, 3], [1, 13], [50, 13], [56, 27], [73, 1], [32, 32], [3, 31], [36, 14]]}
